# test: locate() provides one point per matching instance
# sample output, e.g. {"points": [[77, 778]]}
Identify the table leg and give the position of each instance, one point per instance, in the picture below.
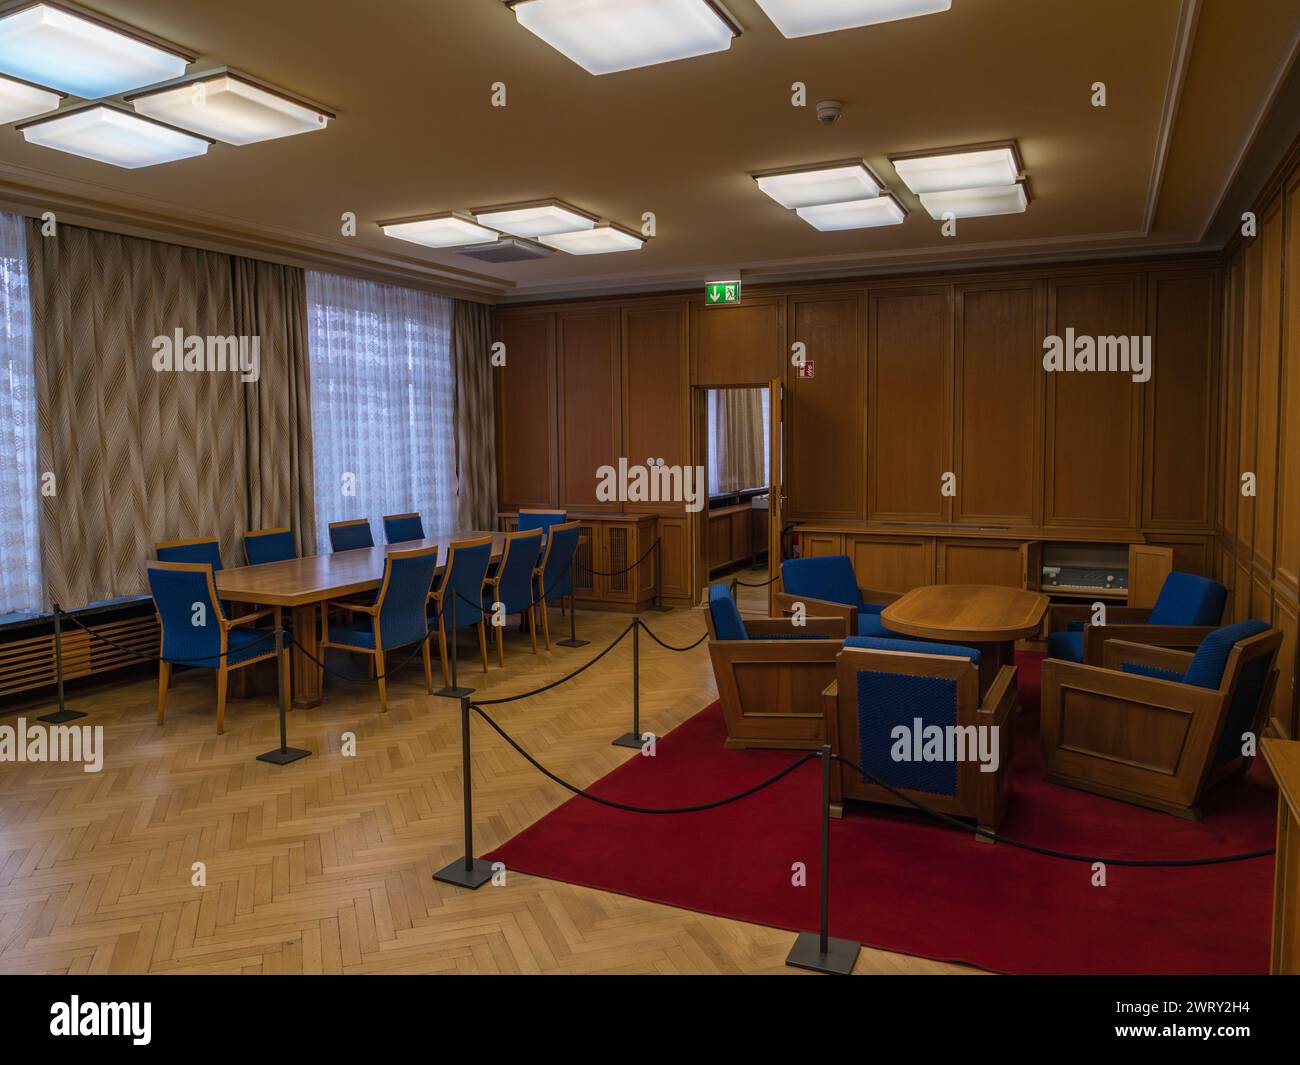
{"points": [[308, 677]]}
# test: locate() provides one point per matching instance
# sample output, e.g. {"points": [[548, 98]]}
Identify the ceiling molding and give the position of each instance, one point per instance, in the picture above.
{"points": [[1179, 60]]}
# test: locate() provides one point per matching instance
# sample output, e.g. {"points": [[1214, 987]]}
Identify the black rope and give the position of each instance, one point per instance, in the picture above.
{"points": [[419, 644], [697, 808], [753, 584], [620, 572], [545, 597], [1049, 851], [270, 635], [556, 683], [667, 646]]}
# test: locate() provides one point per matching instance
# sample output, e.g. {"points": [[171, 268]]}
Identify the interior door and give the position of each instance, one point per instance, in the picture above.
{"points": [[776, 487]]}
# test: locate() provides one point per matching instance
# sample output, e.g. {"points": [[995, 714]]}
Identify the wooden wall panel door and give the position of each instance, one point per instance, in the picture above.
{"points": [[656, 390], [738, 345], [1270, 373], [892, 565], [826, 449], [1230, 484], [999, 407], [998, 562], [1288, 481], [1094, 419], [1248, 408], [527, 472], [590, 404], [910, 404], [676, 555], [1179, 456]]}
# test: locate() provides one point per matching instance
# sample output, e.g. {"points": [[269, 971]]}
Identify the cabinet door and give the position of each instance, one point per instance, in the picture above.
{"points": [[997, 562], [590, 404], [1148, 566], [675, 557], [892, 565], [816, 545]]}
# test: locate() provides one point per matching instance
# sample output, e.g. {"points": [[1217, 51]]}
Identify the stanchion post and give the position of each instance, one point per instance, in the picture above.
{"points": [[453, 690], [467, 872], [633, 739], [820, 951], [658, 606], [573, 640], [62, 714], [284, 754]]}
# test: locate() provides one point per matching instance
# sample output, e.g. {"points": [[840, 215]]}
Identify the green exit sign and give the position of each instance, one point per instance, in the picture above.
{"points": [[717, 292]]}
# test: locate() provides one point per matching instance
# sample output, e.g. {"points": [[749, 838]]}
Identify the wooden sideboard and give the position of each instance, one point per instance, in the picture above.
{"points": [[737, 535], [1283, 758]]}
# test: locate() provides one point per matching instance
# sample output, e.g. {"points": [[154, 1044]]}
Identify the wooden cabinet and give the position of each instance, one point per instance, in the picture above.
{"points": [[676, 558], [1283, 759], [731, 537], [1001, 562], [892, 564], [527, 447], [820, 544], [590, 425]]}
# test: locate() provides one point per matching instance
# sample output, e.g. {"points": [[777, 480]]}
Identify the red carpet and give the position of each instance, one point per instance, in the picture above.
{"points": [[903, 883]]}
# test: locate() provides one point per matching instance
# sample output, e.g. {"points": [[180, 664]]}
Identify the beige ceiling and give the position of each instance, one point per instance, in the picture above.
{"points": [[1188, 83]]}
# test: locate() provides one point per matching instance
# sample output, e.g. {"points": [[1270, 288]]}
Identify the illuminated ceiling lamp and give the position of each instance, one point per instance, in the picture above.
{"points": [[81, 54], [599, 240], [110, 135], [973, 182], [231, 107], [820, 184], [803, 18], [447, 230], [854, 214], [535, 219], [19, 100], [976, 203], [607, 36]]}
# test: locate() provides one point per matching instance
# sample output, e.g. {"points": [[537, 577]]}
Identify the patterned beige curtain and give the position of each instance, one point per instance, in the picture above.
{"points": [[140, 454], [738, 447], [476, 462]]}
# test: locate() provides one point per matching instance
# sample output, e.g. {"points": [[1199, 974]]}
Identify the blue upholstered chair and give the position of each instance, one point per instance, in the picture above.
{"points": [[540, 519], [828, 587], [206, 550], [553, 579], [1187, 609], [886, 690], [351, 535], [512, 584], [398, 617], [1158, 726], [462, 583], [269, 545], [771, 673], [197, 633], [403, 528]]}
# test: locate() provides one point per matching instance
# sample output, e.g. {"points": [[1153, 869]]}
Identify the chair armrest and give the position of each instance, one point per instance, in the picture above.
{"points": [[1123, 687], [1095, 637], [876, 597], [831, 628], [1059, 615], [1000, 699], [361, 607], [1117, 652], [822, 608], [230, 623]]}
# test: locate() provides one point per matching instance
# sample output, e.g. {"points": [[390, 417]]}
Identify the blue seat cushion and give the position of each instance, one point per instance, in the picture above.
{"points": [[358, 634], [1066, 645], [871, 625], [1154, 672], [1211, 658], [727, 622], [243, 644], [917, 647], [1186, 599]]}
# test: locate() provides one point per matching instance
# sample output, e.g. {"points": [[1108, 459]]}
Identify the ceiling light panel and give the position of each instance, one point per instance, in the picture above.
{"points": [[855, 214], [534, 220], [18, 100], [51, 46], [227, 107], [980, 169], [441, 231], [606, 36], [600, 240], [108, 135], [811, 188], [976, 203], [802, 18]]}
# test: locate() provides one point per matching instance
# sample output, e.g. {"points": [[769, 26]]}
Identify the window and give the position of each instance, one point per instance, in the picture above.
{"points": [[739, 432], [382, 404], [20, 574]]}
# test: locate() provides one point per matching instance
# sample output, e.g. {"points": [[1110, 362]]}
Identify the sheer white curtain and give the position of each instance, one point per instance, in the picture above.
{"points": [[20, 558], [735, 420], [382, 392]]}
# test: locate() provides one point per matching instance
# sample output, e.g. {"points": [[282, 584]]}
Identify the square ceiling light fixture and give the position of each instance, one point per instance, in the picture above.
{"points": [[541, 218], [976, 203], [18, 100], [606, 36], [820, 184], [82, 55], [974, 168], [855, 214], [232, 107], [599, 240], [110, 135], [447, 230], [803, 18]]}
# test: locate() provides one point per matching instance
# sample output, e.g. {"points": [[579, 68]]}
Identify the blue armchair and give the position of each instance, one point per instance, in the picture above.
{"points": [[351, 535], [828, 587], [403, 528], [512, 584], [554, 577], [269, 545], [197, 633], [462, 582], [396, 619], [1186, 611]]}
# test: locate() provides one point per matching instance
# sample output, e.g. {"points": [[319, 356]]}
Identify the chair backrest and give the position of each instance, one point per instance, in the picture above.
{"points": [[557, 563], [540, 519], [179, 589], [351, 535], [403, 597], [1209, 663], [403, 528], [1186, 599], [515, 573], [1249, 691], [828, 577], [206, 551], [269, 545], [724, 614], [462, 580]]}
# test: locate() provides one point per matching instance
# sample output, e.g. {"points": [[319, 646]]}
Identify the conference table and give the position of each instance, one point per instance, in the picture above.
{"points": [[304, 584]]}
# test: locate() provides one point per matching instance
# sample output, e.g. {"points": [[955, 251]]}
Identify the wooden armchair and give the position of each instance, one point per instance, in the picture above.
{"points": [[1156, 726], [882, 685], [770, 674], [828, 587]]}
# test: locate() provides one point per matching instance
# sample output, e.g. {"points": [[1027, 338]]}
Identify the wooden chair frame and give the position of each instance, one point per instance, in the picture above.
{"points": [[542, 605], [1142, 739], [437, 598], [980, 796], [1127, 623], [376, 653], [784, 602], [493, 585], [223, 669]]}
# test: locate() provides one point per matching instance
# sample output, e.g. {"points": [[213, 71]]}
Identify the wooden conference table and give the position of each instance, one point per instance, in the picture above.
{"points": [[303, 584]]}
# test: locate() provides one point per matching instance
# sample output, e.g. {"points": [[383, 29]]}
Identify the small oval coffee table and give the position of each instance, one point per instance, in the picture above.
{"points": [[986, 616]]}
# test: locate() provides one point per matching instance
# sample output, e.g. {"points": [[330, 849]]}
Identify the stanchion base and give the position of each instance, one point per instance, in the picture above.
{"points": [[283, 756], [837, 961], [572, 643], [660, 609], [629, 739], [454, 693], [457, 874], [60, 716]]}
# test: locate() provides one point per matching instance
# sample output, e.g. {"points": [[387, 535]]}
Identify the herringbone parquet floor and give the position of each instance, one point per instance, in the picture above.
{"points": [[325, 866]]}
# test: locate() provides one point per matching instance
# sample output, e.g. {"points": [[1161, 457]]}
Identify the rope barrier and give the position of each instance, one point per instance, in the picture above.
{"points": [[667, 646], [563, 680], [618, 573], [266, 638], [697, 808], [754, 584]]}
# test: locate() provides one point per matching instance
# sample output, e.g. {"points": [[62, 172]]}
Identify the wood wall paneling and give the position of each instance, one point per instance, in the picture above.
{"points": [[527, 446], [738, 345], [1288, 523], [1249, 398], [656, 388], [590, 416], [1270, 339]]}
